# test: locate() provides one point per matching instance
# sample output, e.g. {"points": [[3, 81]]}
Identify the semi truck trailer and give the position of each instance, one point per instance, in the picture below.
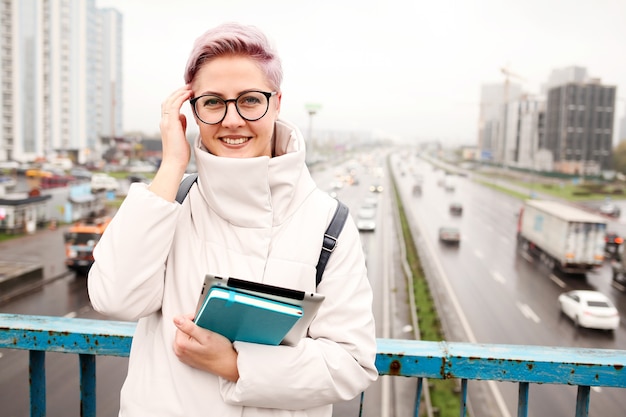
{"points": [[561, 235]]}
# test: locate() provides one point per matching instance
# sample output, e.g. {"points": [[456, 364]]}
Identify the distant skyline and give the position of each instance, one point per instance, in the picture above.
{"points": [[407, 70]]}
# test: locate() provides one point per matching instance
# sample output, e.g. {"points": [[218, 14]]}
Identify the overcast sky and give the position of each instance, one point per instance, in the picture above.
{"points": [[408, 69]]}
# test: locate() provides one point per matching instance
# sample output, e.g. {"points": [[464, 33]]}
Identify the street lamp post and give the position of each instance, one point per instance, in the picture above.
{"points": [[312, 109]]}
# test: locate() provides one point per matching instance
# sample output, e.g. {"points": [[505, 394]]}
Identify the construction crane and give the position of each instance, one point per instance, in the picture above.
{"points": [[508, 73]]}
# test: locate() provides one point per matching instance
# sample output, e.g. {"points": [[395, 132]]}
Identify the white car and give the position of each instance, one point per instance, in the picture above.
{"points": [[610, 209], [590, 309], [366, 219], [100, 181], [450, 235], [371, 201]]}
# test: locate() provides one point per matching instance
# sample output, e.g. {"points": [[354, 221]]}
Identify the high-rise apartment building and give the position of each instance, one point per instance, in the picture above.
{"points": [[524, 131], [579, 126], [110, 73], [560, 76], [61, 78], [492, 116]]}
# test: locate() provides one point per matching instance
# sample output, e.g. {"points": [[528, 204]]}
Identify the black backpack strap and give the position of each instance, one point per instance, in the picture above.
{"points": [[185, 186], [330, 238]]}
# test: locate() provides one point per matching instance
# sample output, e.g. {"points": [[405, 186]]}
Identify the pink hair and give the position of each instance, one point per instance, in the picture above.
{"points": [[235, 39]]}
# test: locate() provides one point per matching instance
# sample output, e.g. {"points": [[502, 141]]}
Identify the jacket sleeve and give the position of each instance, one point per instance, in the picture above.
{"points": [[127, 278], [335, 363]]}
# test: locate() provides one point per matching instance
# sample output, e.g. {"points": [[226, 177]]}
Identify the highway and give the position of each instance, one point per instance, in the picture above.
{"points": [[497, 294], [486, 290]]}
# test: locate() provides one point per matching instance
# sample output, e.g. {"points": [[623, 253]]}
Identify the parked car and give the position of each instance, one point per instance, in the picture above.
{"points": [[101, 181], [81, 173], [590, 309], [38, 173], [366, 219], [137, 178], [450, 235], [141, 167], [456, 209]]}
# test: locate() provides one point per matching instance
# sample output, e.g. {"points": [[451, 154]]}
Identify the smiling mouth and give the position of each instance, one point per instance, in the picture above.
{"points": [[238, 141]]}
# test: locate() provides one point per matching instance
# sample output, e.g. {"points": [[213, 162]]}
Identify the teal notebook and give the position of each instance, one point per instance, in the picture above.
{"points": [[245, 317]]}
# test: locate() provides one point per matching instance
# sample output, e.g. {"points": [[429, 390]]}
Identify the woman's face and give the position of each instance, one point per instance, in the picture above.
{"points": [[235, 137]]}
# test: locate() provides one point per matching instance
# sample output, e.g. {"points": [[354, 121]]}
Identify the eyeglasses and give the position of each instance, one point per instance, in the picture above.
{"points": [[251, 106]]}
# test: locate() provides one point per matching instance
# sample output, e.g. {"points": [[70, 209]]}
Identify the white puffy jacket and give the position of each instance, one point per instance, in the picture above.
{"points": [[260, 219]]}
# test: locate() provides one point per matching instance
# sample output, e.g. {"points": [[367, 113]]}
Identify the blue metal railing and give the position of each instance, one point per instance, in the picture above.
{"points": [[525, 365]]}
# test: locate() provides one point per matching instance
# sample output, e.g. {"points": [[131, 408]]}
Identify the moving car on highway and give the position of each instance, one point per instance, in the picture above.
{"points": [[450, 235], [366, 219], [613, 245], [456, 209], [590, 309], [610, 209]]}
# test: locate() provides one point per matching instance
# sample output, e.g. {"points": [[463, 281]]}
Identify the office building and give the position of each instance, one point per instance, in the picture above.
{"points": [[579, 126], [560, 76]]}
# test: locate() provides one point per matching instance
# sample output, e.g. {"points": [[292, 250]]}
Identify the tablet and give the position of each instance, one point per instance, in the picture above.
{"points": [[309, 301], [245, 317]]}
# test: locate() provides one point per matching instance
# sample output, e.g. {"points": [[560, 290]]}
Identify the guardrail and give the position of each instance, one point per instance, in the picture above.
{"points": [[524, 365]]}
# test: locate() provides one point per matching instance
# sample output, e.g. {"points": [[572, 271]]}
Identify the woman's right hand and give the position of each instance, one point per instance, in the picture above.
{"points": [[176, 149], [204, 349]]}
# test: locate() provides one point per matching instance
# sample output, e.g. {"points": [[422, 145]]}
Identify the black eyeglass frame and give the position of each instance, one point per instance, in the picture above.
{"points": [[267, 95]]}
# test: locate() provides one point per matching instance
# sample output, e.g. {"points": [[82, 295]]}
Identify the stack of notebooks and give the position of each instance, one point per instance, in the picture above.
{"points": [[253, 312]]}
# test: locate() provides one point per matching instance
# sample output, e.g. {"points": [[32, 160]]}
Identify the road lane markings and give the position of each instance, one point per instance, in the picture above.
{"points": [[557, 281], [498, 277], [471, 338], [528, 312], [70, 315]]}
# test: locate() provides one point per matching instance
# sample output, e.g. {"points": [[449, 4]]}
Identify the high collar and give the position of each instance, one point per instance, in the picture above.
{"points": [[259, 191]]}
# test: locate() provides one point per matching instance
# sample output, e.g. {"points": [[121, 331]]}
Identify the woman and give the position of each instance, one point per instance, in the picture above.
{"points": [[255, 214]]}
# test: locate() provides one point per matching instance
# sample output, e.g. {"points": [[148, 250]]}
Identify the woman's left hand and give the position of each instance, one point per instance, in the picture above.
{"points": [[204, 349]]}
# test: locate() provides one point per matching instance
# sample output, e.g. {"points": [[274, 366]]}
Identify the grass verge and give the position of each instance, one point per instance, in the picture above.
{"points": [[443, 392], [9, 236]]}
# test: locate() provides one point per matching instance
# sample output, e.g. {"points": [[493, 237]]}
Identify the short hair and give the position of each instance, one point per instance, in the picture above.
{"points": [[235, 39]]}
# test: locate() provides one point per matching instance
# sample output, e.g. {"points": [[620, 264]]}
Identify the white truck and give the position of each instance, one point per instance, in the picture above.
{"points": [[561, 235]]}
